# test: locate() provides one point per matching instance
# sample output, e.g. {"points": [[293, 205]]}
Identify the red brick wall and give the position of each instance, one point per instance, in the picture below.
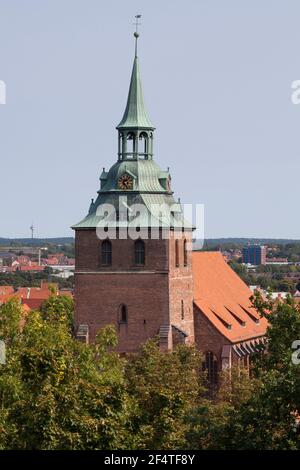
{"points": [[88, 248], [207, 337], [99, 295], [152, 293], [181, 287]]}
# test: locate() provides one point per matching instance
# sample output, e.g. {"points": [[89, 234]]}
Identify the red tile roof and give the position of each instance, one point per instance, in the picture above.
{"points": [[33, 304], [32, 268], [6, 290], [5, 297], [33, 297], [223, 298]]}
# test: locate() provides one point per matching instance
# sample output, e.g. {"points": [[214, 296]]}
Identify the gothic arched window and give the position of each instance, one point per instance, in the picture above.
{"points": [[177, 253], [210, 365], [106, 253], [123, 314], [139, 252], [185, 253]]}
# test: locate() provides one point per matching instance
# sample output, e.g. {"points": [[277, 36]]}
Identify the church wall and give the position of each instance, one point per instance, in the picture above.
{"points": [[181, 288], [100, 291], [207, 337], [88, 253], [98, 298]]}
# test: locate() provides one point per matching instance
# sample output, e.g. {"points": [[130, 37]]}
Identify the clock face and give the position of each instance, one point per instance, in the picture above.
{"points": [[125, 182]]}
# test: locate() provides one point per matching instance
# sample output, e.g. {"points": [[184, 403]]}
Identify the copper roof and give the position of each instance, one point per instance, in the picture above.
{"points": [[135, 115], [224, 298]]}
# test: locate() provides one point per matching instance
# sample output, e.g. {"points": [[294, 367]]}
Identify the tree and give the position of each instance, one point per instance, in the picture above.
{"points": [[268, 419], [55, 392], [166, 387], [59, 308]]}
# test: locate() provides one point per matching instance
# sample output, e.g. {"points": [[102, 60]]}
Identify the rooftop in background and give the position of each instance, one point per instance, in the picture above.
{"points": [[31, 297]]}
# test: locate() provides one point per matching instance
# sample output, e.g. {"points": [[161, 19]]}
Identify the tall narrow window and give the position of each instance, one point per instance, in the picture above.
{"points": [[176, 253], [144, 143], [106, 253], [123, 314], [131, 144], [210, 365], [185, 253], [182, 310], [139, 252]]}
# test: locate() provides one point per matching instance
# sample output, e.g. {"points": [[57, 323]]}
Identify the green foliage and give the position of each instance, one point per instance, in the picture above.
{"points": [[59, 308], [165, 386], [210, 419], [58, 393], [30, 279], [266, 420], [242, 271]]}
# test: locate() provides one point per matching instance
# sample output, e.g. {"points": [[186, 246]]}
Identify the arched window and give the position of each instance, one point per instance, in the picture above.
{"points": [[139, 252], [144, 141], [185, 253], [182, 310], [106, 253], [131, 144], [210, 365], [177, 253], [123, 314]]}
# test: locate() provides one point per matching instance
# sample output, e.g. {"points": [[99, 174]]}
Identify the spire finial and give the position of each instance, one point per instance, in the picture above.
{"points": [[136, 33]]}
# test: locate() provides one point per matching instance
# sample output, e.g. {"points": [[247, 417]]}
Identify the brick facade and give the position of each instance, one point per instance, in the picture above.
{"points": [[155, 295]]}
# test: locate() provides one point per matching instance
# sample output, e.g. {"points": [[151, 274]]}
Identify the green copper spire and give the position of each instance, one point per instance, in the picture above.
{"points": [[135, 115]]}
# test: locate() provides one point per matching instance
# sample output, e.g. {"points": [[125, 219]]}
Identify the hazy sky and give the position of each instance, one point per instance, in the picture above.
{"points": [[217, 80]]}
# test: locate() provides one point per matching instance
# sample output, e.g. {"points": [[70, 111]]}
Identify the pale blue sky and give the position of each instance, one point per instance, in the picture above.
{"points": [[217, 83]]}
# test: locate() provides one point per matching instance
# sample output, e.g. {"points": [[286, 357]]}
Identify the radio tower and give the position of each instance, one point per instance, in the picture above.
{"points": [[32, 230]]}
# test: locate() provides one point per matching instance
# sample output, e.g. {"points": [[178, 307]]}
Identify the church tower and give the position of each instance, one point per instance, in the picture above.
{"points": [[133, 262]]}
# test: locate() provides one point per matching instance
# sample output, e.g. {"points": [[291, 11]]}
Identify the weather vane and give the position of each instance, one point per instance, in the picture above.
{"points": [[136, 33]]}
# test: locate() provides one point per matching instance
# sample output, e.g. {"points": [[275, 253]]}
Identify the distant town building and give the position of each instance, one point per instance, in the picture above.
{"points": [[254, 254], [277, 261], [32, 297]]}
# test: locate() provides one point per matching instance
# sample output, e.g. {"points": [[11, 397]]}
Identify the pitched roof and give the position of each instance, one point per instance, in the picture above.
{"points": [[224, 298], [40, 293], [32, 268], [5, 297], [33, 297], [6, 290]]}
